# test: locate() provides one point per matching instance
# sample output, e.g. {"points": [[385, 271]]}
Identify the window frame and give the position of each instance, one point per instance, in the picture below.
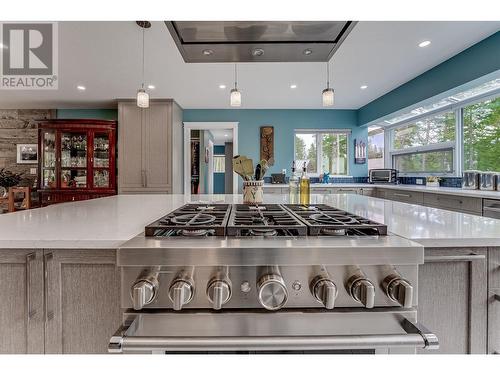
{"points": [[319, 147]]}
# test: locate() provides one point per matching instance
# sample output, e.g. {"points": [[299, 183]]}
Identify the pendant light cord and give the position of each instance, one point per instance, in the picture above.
{"points": [[327, 75], [235, 77], [143, 30]]}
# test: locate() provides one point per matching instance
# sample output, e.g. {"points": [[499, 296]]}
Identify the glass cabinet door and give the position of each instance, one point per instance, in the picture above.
{"points": [[101, 160], [73, 160], [48, 172]]}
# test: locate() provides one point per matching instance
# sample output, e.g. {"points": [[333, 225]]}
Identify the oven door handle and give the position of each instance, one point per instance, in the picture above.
{"points": [[416, 336]]}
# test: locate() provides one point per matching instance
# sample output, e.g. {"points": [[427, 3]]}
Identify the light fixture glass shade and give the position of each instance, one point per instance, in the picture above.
{"points": [[142, 98], [328, 97], [235, 98]]}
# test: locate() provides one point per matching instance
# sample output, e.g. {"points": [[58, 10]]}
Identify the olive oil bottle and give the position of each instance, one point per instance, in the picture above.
{"points": [[293, 186], [305, 187]]}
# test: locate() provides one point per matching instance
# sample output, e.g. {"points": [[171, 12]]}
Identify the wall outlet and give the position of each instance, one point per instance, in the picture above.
{"points": [[32, 170], [419, 181], [283, 171]]}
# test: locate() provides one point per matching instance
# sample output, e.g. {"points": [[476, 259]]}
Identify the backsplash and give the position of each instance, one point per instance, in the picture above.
{"points": [[455, 182]]}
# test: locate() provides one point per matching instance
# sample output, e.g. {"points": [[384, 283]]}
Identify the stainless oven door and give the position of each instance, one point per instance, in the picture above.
{"points": [[380, 330]]}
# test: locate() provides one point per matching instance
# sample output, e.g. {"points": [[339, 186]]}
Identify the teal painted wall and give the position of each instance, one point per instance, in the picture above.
{"points": [[284, 122], [477, 61], [97, 114]]}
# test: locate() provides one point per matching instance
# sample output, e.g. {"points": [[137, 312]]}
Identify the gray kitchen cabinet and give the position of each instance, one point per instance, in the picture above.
{"points": [[366, 191], [150, 147], [452, 299], [453, 203], [344, 190], [82, 299], [494, 321], [412, 197], [21, 306]]}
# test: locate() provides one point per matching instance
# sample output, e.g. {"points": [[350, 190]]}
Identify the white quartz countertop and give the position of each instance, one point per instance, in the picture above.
{"points": [[425, 189], [111, 221]]}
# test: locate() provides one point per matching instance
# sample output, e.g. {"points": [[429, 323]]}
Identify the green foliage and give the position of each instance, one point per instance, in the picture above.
{"points": [[300, 148], [9, 179], [482, 136]]}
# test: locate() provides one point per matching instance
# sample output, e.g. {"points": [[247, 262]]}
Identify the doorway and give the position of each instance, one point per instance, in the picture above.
{"points": [[208, 151]]}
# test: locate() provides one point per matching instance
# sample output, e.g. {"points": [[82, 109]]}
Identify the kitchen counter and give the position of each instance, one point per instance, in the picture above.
{"points": [[109, 222], [425, 189]]}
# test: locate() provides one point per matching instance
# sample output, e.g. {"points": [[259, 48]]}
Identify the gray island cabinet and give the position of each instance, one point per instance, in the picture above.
{"points": [[60, 287], [58, 301]]}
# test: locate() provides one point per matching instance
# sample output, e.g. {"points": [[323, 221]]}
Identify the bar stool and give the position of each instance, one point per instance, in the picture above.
{"points": [[26, 202]]}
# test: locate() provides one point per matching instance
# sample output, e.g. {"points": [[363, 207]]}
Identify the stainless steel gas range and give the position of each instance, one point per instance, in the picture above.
{"points": [[269, 278]]}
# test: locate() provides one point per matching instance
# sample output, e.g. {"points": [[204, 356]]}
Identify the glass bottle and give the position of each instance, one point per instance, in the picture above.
{"points": [[305, 187], [293, 186]]}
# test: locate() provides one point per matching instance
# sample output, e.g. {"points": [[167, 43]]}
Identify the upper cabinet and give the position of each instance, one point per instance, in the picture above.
{"points": [[77, 160], [150, 147]]}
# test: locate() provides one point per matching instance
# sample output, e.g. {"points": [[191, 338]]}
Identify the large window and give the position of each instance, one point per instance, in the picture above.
{"points": [[426, 145], [323, 151], [481, 132], [375, 147]]}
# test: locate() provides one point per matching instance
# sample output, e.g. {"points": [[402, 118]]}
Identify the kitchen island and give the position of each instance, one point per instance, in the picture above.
{"points": [[59, 275]]}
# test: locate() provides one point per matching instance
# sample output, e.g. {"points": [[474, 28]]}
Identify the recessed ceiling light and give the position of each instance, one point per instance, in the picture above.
{"points": [[293, 86], [363, 87], [425, 43], [307, 52], [1, 45], [225, 135], [208, 52], [222, 86], [151, 87], [81, 88]]}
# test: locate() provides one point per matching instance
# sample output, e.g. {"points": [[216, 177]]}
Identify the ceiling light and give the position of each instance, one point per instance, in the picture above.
{"points": [[225, 135], [257, 52], [307, 52], [222, 86], [81, 88], [1, 46], [208, 52], [293, 86], [327, 94], [425, 43], [235, 96], [151, 87], [363, 87], [142, 96]]}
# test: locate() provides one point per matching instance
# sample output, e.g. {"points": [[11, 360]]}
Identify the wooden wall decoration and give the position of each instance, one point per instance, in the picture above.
{"points": [[266, 142]]}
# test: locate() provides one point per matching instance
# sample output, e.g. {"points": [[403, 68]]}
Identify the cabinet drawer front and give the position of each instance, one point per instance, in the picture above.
{"points": [[405, 196], [494, 321], [494, 268], [453, 202]]}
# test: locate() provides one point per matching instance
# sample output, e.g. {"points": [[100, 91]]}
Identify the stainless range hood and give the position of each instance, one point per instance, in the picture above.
{"points": [[256, 41]]}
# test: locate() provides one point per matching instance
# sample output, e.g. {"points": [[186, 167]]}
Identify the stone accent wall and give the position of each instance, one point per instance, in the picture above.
{"points": [[19, 126]]}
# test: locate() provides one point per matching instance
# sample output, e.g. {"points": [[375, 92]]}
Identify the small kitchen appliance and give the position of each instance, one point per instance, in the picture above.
{"points": [[385, 176], [470, 180]]}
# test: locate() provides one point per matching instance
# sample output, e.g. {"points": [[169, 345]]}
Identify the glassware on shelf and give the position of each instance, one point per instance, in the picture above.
{"points": [[73, 178], [101, 178], [73, 150], [101, 151], [49, 178], [49, 150]]}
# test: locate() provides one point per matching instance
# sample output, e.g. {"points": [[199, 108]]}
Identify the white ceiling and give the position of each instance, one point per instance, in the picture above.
{"points": [[222, 136], [105, 57]]}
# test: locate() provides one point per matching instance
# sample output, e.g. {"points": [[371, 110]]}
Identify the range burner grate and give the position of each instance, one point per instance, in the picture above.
{"points": [[267, 220], [192, 220], [324, 220]]}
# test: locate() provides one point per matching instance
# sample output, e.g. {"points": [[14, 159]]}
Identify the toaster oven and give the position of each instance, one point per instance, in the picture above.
{"points": [[387, 176]]}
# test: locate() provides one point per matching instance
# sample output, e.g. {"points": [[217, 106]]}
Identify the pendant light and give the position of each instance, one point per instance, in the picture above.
{"points": [[328, 95], [142, 95], [235, 94]]}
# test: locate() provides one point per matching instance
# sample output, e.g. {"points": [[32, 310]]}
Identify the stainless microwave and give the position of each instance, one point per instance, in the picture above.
{"points": [[388, 176]]}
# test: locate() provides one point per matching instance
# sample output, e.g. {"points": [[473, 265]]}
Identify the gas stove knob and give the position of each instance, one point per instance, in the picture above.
{"points": [[272, 292], [143, 292], [399, 290], [181, 292], [325, 291], [218, 293], [363, 291]]}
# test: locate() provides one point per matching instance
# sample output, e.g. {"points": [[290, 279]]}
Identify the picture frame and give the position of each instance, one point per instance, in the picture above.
{"points": [[27, 153]]}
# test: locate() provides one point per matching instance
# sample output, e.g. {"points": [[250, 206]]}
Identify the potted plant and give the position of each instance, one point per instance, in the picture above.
{"points": [[8, 179], [432, 181]]}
